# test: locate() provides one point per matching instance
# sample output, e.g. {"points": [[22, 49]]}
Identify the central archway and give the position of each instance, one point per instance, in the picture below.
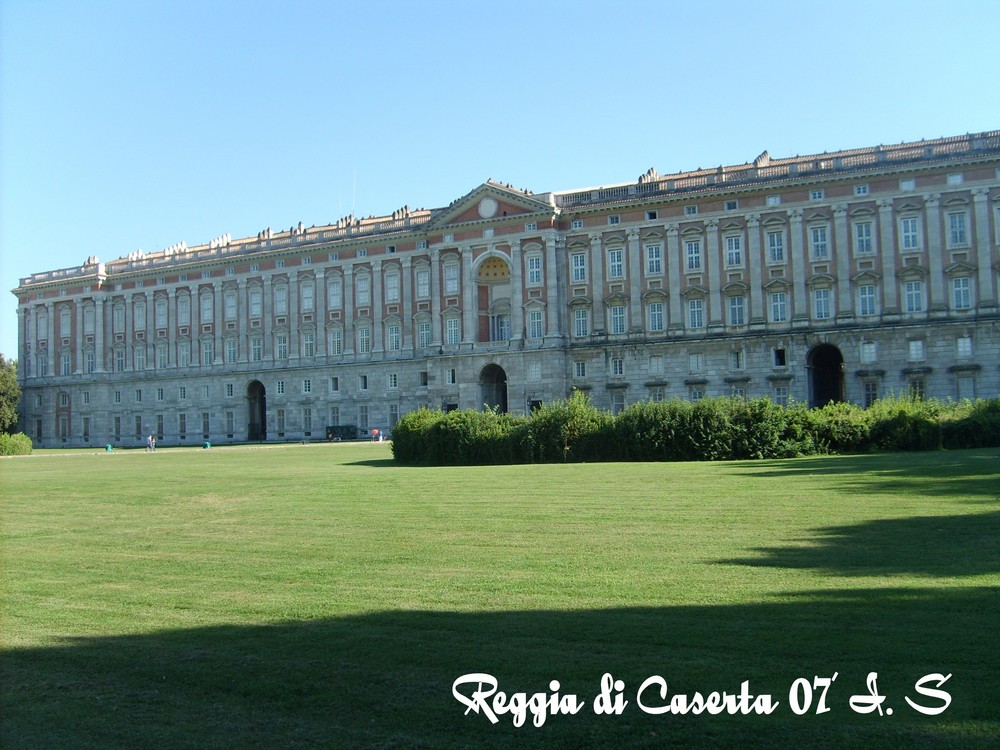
{"points": [[256, 411], [493, 387], [826, 375]]}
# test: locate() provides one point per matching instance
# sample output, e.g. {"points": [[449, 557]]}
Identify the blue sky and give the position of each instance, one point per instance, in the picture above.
{"points": [[138, 124]]}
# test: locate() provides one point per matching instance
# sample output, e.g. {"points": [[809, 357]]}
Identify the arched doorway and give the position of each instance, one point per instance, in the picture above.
{"points": [[826, 375], [256, 411], [493, 387]]}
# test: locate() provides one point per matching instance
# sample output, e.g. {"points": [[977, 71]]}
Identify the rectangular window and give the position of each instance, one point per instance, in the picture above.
{"points": [[308, 344], [91, 361], [230, 305], [161, 355], [334, 385], [392, 287], [781, 395], [863, 238], [279, 419], [279, 387], [89, 319], [690, 210], [579, 267], [230, 423], [281, 300], [255, 302], [579, 369], [656, 364], [780, 357], [821, 304], [870, 392], [281, 347], [654, 259], [534, 270], [914, 296], [779, 307], [692, 249], [335, 293], [140, 358], [776, 247], [866, 300], [737, 310], [961, 293], [307, 297], [336, 343], [696, 313], [364, 340], [181, 393], [616, 268], [816, 195], [182, 425], [918, 388], [577, 224], [451, 278], [363, 285], [957, 232], [159, 312], [138, 426], [230, 390], [963, 347], [183, 353], [207, 352], [614, 219], [207, 307], [423, 283], [655, 316], [860, 190], [392, 380], [138, 395], [232, 351], [773, 200], [737, 359], [256, 349], [392, 338], [818, 242], [535, 328], [909, 234], [869, 351], [617, 314], [915, 350], [450, 376], [581, 322], [452, 331], [617, 366], [66, 366], [734, 250], [966, 388], [119, 361], [423, 335], [307, 385]]}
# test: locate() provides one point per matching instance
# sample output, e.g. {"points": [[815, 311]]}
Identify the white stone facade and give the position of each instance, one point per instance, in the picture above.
{"points": [[846, 275]]}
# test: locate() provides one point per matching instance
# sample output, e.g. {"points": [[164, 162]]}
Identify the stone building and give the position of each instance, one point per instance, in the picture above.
{"points": [[841, 276]]}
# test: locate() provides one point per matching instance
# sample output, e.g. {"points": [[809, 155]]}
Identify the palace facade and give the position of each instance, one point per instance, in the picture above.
{"points": [[841, 276]]}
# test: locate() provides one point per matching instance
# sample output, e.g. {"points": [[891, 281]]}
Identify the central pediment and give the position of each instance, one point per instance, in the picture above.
{"points": [[489, 202]]}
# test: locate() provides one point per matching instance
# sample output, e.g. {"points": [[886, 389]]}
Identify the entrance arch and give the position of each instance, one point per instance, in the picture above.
{"points": [[493, 387], [826, 374], [256, 411]]}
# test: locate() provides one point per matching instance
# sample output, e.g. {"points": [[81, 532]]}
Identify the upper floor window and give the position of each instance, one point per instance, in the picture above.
{"points": [[863, 238], [776, 247], [909, 233], [392, 287], [617, 316], [579, 267], [654, 259], [737, 310], [958, 235], [822, 304], [616, 268], [734, 250], [692, 250], [534, 270], [363, 287], [451, 278], [961, 293], [307, 297], [818, 246], [423, 283]]}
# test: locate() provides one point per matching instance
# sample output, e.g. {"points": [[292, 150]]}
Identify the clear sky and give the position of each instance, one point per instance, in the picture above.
{"points": [[141, 123]]}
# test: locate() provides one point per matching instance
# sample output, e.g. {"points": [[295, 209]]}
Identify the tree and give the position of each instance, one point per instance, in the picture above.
{"points": [[10, 394]]}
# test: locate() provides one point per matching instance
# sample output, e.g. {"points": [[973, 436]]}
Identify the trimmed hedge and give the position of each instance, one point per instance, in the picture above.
{"points": [[17, 444], [711, 429]]}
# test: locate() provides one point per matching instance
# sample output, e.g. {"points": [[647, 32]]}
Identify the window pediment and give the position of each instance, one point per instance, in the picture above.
{"points": [[960, 269], [866, 277], [694, 292], [580, 302], [821, 281]]}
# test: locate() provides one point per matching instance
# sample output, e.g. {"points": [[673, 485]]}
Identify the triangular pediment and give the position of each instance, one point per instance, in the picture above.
{"points": [[489, 202]]}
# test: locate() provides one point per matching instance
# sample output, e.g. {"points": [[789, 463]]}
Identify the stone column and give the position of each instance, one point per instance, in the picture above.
{"points": [[797, 254], [552, 302], [635, 280], [267, 315], [320, 314], [674, 265], [597, 266], [79, 305], [986, 297], [29, 348], [294, 315], [348, 295], [755, 262], [406, 308], [435, 297], [887, 251], [517, 290], [935, 254], [377, 316], [845, 308], [469, 296], [714, 259], [99, 333], [243, 315]]}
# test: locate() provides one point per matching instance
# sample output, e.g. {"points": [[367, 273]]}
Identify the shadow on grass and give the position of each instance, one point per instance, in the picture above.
{"points": [[945, 473], [963, 545], [385, 679]]}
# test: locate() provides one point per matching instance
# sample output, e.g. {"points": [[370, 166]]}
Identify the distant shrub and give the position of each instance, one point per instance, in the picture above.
{"points": [[411, 436], [567, 430], [905, 424], [973, 424], [17, 444], [473, 437], [839, 428]]}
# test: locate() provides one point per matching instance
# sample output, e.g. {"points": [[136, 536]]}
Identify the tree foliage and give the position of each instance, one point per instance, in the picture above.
{"points": [[10, 394]]}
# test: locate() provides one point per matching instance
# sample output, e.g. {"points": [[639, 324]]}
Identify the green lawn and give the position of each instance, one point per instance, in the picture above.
{"points": [[321, 596]]}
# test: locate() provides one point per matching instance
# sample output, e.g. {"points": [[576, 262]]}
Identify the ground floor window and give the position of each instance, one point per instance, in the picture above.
{"points": [[870, 392]]}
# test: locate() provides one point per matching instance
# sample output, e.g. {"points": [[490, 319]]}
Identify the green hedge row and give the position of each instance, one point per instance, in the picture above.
{"points": [[17, 444], [711, 429]]}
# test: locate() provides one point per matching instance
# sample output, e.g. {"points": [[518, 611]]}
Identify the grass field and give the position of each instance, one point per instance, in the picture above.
{"points": [[322, 596]]}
